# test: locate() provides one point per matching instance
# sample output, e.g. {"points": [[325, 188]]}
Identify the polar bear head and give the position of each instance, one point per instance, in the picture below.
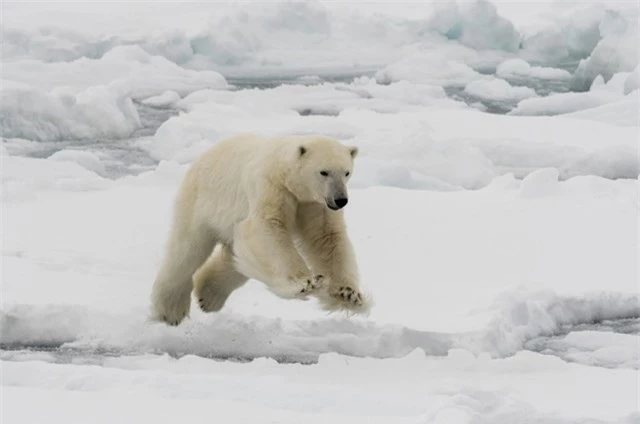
{"points": [[322, 168]]}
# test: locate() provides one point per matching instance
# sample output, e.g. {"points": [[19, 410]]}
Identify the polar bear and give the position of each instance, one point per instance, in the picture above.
{"points": [[267, 208]]}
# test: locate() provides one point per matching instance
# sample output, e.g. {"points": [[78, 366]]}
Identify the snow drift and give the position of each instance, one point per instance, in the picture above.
{"points": [[31, 114]]}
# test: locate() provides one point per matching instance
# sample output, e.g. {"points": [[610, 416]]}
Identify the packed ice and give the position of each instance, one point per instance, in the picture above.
{"points": [[493, 210], [520, 68], [498, 89]]}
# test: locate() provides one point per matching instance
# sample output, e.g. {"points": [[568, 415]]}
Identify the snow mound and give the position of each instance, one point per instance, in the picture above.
{"points": [[428, 69], [632, 83], [228, 336], [616, 52], [275, 38], [570, 34], [298, 38], [124, 71], [557, 104], [602, 36], [525, 317], [86, 159], [223, 335], [520, 68], [592, 347], [618, 89], [97, 112], [325, 108], [23, 178], [612, 162], [539, 183], [498, 89], [401, 92], [476, 24], [165, 100], [377, 172], [427, 151], [625, 112]]}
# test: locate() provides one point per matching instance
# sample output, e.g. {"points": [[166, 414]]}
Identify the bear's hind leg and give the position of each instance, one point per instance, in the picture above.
{"points": [[215, 280], [185, 253]]}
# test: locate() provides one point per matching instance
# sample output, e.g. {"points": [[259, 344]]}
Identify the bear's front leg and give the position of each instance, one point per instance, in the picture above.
{"points": [[326, 246], [264, 250]]}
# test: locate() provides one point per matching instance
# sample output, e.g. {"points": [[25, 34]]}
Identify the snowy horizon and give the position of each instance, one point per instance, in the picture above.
{"points": [[494, 209]]}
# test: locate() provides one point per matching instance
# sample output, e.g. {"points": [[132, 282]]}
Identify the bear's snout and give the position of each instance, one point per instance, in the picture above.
{"points": [[338, 203], [342, 202]]}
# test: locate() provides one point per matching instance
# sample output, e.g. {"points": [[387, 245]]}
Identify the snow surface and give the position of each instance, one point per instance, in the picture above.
{"points": [[494, 210], [83, 158], [166, 99], [498, 89], [520, 68], [546, 256], [616, 51], [430, 147], [547, 262], [61, 115], [562, 103]]}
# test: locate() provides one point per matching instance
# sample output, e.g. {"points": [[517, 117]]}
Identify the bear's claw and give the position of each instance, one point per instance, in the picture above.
{"points": [[312, 284], [172, 323], [348, 294], [214, 302]]}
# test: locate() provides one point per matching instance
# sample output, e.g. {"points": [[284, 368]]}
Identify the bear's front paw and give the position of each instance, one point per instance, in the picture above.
{"points": [[346, 298], [304, 286], [312, 284], [348, 294], [297, 287]]}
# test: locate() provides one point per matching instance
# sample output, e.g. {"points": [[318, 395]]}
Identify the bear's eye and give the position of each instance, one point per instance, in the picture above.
{"points": [[324, 173], [347, 174]]}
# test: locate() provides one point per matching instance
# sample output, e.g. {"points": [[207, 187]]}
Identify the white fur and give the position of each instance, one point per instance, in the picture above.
{"points": [[263, 205]]}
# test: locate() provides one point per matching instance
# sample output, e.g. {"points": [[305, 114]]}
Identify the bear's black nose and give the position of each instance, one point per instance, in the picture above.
{"points": [[341, 203]]}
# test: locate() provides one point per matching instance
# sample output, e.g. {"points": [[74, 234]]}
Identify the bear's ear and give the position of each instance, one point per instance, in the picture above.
{"points": [[302, 150], [353, 151]]}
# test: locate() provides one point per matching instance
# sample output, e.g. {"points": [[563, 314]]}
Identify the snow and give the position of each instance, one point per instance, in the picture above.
{"points": [[85, 159], [477, 25], [493, 210], [617, 50], [92, 264], [595, 348], [168, 390], [625, 112], [90, 98], [556, 104], [618, 93], [632, 82], [549, 264], [428, 68], [167, 99], [498, 89], [48, 116], [427, 150], [520, 68], [24, 178], [540, 182], [124, 70]]}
